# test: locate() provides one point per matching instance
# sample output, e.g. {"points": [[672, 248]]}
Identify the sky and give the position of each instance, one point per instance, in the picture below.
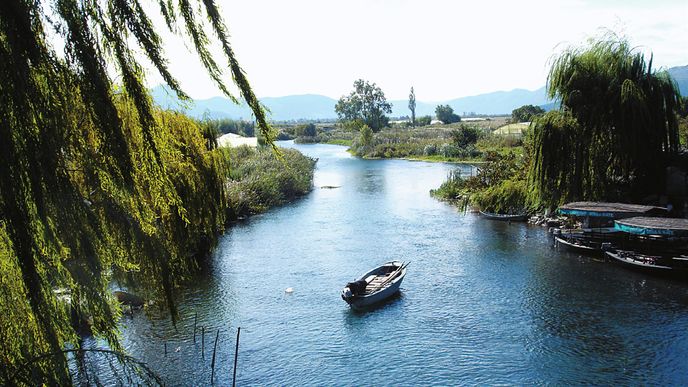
{"points": [[444, 49]]}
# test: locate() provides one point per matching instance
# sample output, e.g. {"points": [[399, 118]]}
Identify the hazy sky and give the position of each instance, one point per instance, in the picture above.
{"points": [[445, 49]]}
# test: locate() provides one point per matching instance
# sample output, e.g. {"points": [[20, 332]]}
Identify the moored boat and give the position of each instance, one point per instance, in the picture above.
{"points": [[505, 217], [579, 245], [649, 263], [376, 285]]}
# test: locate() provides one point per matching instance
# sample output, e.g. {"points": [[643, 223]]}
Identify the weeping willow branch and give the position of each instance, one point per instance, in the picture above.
{"points": [[95, 181], [616, 130]]}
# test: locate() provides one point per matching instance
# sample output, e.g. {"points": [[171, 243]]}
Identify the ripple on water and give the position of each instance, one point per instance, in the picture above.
{"points": [[483, 302]]}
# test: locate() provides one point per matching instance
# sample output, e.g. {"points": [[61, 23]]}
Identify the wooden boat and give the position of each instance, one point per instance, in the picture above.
{"points": [[579, 245], [587, 241], [376, 285], [649, 263], [505, 217]]}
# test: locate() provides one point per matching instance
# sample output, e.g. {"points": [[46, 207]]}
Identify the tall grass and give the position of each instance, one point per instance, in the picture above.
{"points": [[259, 179]]}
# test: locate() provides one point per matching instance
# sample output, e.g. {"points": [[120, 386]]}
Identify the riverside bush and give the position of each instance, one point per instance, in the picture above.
{"points": [[259, 179]]}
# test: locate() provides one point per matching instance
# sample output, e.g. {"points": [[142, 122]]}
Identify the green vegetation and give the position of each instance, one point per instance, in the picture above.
{"points": [[227, 125], [445, 113], [412, 107], [500, 186], [366, 104], [97, 184], [259, 179], [526, 113], [617, 131], [423, 121]]}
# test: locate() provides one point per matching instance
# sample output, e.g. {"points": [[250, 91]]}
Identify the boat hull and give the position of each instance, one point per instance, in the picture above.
{"points": [[632, 262], [387, 290], [576, 247], [372, 299], [505, 218]]}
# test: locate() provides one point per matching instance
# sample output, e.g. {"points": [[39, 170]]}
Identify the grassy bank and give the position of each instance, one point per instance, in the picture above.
{"points": [[260, 180]]}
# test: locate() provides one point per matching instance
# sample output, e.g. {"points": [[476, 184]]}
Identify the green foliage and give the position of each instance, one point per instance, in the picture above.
{"points": [[452, 189], [617, 130], [500, 185], [465, 136], [366, 136], [367, 104], [445, 113], [307, 130], [412, 106], [259, 179], [508, 197], [228, 125], [526, 113], [423, 120], [95, 183]]}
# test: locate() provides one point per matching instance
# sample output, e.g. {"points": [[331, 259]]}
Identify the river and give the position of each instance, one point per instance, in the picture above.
{"points": [[484, 302]]}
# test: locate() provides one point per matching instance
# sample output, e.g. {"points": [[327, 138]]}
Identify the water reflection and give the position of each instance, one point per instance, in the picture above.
{"points": [[483, 302]]}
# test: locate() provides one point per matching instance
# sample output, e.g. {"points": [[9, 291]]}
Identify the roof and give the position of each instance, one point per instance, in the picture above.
{"points": [[642, 225], [234, 140], [609, 210], [515, 129]]}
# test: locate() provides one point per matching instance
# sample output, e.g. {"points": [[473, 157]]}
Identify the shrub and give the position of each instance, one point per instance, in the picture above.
{"points": [[430, 150]]}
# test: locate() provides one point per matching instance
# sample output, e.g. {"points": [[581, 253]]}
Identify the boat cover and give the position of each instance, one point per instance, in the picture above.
{"points": [[642, 225], [609, 210]]}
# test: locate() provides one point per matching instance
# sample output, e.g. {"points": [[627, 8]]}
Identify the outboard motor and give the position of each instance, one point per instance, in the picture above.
{"points": [[353, 289]]}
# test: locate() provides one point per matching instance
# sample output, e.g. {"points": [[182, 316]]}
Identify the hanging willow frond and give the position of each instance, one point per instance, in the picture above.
{"points": [[95, 181], [625, 129]]}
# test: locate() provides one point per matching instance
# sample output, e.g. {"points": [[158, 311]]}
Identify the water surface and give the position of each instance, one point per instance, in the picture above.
{"points": [[484, 302]]}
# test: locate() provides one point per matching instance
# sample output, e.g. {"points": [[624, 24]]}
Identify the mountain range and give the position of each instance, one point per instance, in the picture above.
{"points": [[320, 107]]}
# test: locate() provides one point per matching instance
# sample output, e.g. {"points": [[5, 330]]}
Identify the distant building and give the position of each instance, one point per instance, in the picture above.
{"points": [[436, 122], [232, 140]]}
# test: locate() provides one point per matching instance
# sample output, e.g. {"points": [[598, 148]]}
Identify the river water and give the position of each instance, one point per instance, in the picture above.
{"points": [[483, 302]]}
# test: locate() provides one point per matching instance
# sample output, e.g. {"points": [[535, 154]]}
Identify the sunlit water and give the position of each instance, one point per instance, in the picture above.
{"points": [[484, 302]]}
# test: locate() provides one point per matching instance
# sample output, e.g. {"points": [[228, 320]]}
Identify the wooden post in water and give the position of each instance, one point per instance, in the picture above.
{"points": [[166, 348], [212, 363], [195, 321], [236, 355], [203, 342]]}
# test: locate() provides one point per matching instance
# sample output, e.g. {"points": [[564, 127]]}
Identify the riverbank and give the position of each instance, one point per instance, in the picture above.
{"points": [[455, 143], [484, 302], [260, 179]]}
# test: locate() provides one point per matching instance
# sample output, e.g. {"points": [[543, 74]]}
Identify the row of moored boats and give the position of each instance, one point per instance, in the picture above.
{"points": [[639, 237]]}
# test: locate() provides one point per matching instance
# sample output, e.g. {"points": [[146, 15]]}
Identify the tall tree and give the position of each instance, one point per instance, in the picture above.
{"points": [[93, 179], [526, 113], [412, 107], [617, 129], [367, 104], [446, 114]]}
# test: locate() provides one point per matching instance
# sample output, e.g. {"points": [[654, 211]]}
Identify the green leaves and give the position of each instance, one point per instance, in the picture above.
{"points": [[95, 182], [367, 104], [617, 127]]}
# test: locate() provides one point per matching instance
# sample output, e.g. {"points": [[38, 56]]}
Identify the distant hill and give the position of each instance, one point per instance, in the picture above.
{"points": [[292, 107], [680, 75], [318, 107], [312, 106]]}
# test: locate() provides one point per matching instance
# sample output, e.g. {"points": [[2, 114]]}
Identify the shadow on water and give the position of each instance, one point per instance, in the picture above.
{"points": [[390, 302]]}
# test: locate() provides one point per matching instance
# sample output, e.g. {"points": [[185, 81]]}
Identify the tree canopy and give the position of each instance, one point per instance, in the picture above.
{"points": [[445, 113], [526, 113], [367, 104], [616, 129], [96, 182], [412, 106]]}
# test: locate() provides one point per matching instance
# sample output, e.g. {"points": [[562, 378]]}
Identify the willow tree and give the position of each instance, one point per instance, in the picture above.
{"points": [[94, 180], [616, 130]]}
